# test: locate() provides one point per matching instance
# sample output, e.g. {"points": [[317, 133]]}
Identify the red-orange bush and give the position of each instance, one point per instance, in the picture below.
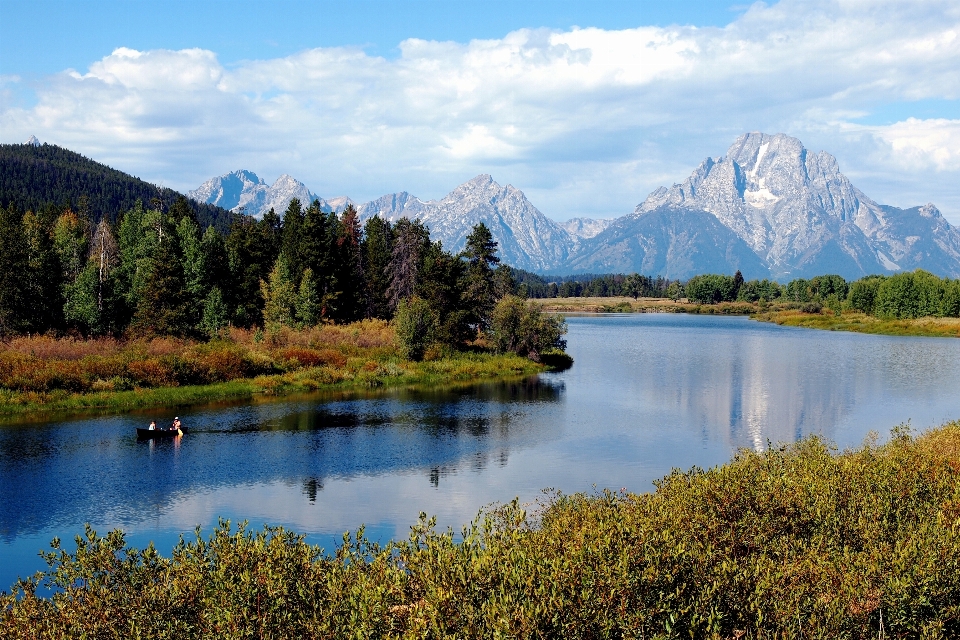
{"points": [[152, 372]]}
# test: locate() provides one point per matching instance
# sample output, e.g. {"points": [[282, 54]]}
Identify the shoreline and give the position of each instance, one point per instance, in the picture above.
{"points": [[785, 315], [462, 368]]}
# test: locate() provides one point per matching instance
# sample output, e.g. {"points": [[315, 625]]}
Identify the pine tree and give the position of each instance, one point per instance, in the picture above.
{"points": [[410, 241], [348, 271], [163, 308], [479, 293], [292, 236], [14, 262], [376, 248], [44, 272]]}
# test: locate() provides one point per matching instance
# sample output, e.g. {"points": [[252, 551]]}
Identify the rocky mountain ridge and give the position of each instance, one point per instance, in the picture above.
{"points": [[769, 208]]}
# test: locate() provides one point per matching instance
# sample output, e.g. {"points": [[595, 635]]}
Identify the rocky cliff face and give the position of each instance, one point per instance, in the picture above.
{"points": [[769, 207], [527, 238], [803, 217]]}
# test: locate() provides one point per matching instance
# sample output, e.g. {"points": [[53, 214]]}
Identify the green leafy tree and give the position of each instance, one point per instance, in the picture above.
{"points": [[711, 288], [70, 241], [524, 329], [309, 303], [280, 296], [215, 313], [414, 323]]}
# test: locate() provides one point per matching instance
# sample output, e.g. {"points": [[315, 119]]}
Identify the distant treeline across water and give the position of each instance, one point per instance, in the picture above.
{"points": [[914, 294]]}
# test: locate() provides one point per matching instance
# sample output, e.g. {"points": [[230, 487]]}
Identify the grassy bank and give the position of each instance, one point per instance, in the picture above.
{"points": [[787, 314], [40, 375], [863, 323], [797, 542], [641, 305]]}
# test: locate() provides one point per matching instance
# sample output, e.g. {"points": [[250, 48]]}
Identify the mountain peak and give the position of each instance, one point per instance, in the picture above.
{"points": [[245, 191], [33, 141]]}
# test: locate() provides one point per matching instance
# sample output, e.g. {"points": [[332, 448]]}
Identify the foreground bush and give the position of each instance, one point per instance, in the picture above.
{"points": [[797, 542]]}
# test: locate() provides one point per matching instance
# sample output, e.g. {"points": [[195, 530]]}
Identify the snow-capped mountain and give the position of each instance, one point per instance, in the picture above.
{"points": [[33, 141], [583, 228], [244, 190], [769, 208], [527, 238], [803, 217]]}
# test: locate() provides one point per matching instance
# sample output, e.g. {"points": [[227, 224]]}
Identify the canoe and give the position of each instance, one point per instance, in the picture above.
{"points": [[148, 434]]}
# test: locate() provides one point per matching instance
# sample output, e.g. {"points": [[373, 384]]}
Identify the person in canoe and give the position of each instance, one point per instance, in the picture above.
{"points": [[176, 424], [153, 425]]}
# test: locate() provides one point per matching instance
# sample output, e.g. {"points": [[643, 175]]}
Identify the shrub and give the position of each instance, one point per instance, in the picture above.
{"points": [[414, 323], [797, 541], [524, 329]]}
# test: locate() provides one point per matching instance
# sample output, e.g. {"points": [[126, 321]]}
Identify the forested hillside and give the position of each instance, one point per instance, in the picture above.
{"points": [[34, 176]]}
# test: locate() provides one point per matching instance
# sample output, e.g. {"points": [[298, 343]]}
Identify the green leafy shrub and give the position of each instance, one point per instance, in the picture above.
{"points": [[414, 322], [524, 329]]}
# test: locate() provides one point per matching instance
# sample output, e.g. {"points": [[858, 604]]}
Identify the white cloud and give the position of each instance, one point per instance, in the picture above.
{"points": [[589, 120]]}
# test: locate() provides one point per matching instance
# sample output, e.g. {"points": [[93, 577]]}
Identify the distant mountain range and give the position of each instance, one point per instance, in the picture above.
{"points": [[769, 208]]}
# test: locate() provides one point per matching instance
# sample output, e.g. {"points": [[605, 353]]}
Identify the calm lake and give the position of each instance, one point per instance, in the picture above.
{"points": [[647, 393]]}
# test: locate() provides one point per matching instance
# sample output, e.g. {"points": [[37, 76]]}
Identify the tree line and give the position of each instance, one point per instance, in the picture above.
{"points": [[604, 285], [157, 272], [913, 294]]}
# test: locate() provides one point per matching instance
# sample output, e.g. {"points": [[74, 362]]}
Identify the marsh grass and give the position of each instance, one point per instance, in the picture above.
{"points": [[863, 323], [800, 541], [44, 374]]}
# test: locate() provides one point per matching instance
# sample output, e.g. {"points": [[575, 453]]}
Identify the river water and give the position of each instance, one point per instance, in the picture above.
{"points": [[647, 393]]}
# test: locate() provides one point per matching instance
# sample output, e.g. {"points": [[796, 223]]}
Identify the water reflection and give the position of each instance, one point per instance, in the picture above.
{"points": [[646, 394], [93, 470]]}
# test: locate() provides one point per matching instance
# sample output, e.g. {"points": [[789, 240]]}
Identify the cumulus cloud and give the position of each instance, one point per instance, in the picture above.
{"points": [[587, 121]]}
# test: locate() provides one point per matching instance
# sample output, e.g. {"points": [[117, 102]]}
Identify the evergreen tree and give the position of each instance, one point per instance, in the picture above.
{"points": [[252, 248], [292, 236], [376, 249], [14, 262], [479, 293], [410, 242], [163, 307], [348, 272], [44, 272], [438, 284]]}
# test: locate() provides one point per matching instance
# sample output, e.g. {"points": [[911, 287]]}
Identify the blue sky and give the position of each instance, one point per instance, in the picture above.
{"points": [[586, 106]]}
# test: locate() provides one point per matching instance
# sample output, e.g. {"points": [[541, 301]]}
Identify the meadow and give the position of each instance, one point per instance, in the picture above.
{"points": [[40, 374]]}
